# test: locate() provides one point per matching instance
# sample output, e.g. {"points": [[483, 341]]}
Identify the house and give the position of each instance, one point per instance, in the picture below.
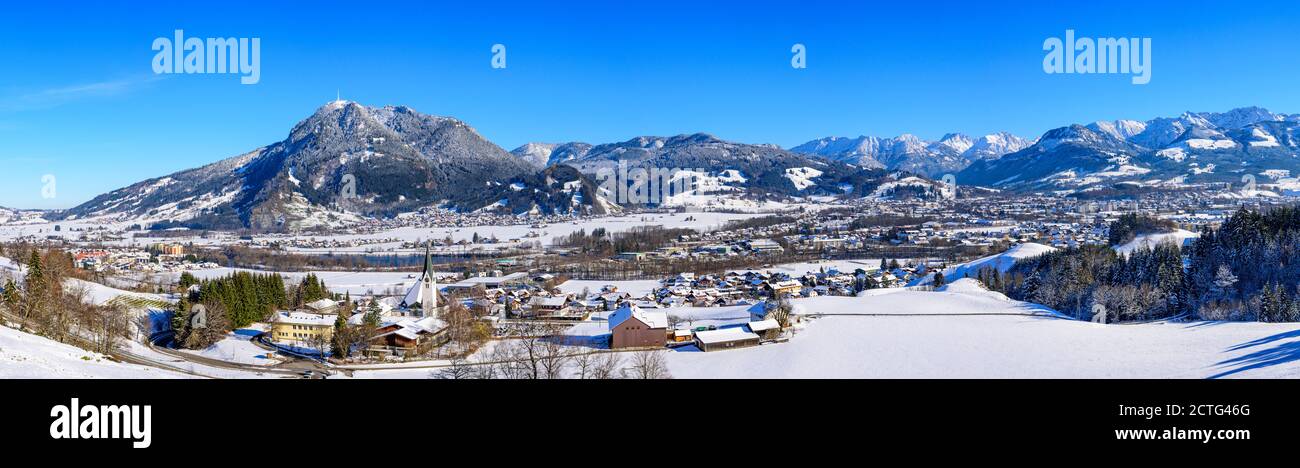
{"points": [[631, 327], [760, 311], [782, 288], [765, 246], [404, 336], [302, 328], [549, 306], [725, 338], [631, 256]]}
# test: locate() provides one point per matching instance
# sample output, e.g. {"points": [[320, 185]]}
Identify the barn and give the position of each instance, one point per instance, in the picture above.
{"points": [[725, 338], [631, 327]]}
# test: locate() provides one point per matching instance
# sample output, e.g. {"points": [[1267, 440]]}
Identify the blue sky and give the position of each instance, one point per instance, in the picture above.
{"points": [[79, 100]]}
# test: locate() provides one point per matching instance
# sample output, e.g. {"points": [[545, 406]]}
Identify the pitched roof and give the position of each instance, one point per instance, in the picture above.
{"points": [[723, 335], [651, 319]]}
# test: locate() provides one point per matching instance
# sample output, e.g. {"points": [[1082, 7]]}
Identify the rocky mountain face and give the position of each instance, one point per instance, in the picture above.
{"points": [[1189, 150]]}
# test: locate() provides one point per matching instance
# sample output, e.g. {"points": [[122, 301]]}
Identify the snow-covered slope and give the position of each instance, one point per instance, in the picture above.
{"points": [[974, 334], [1000, 262], [1147, 241], [27, 356]]}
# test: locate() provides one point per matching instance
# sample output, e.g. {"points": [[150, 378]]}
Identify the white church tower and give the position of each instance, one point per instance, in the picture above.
{"points": [[425, 290]]}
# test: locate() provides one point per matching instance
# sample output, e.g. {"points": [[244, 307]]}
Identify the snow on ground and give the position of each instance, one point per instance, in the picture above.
{"points": [[73, 229], [99, 294], [23, 355], [636, 288], [238, 347], [1147, 241], [357, 283], [1002, 262], [802, 177], [687, 316], [1027, 342], [844, 266]]}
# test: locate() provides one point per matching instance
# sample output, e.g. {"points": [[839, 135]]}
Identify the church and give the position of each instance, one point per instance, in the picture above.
{"points": [[422, 299]]}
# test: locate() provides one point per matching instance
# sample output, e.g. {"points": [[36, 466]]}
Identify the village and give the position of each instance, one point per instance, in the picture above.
{"points": [[641, 317], [738, 281]]}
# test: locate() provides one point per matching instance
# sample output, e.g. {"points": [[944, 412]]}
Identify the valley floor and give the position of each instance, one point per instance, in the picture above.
{"points": [[960, 331]]}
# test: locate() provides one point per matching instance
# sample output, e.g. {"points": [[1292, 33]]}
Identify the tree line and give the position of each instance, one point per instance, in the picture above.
{"points": [[1246, 269]]}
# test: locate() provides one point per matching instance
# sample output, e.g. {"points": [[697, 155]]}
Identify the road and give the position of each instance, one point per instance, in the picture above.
{"points": [[161, 342]]}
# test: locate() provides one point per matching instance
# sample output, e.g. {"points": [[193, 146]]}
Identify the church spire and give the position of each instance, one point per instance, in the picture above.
{"points": [[429, 283]]}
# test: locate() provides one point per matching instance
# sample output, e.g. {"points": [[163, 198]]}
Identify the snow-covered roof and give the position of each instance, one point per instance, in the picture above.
{"points": [[764, 325], [554, 301], [303, 318], [651, 319], [723, 335]]}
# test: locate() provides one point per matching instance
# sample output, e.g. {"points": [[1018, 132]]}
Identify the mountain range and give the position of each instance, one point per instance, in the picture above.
{"points": [[908, 152], [348, 161], [1201, 148]]}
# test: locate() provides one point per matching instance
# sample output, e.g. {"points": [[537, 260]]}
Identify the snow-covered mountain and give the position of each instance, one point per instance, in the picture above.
{"points": [[1193, 148], [345, 160], [550, 154], [910, 153], [995, 145], [1121, 129], [761, 169]]}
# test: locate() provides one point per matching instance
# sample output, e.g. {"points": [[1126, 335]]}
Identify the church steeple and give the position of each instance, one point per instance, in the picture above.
{"points": [[429, 284]]}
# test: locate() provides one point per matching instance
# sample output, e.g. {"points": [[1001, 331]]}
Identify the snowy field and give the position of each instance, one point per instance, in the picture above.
{"points": [[636, 288], [238, 347], [844, 266], [702, 221], [1014, 340]]}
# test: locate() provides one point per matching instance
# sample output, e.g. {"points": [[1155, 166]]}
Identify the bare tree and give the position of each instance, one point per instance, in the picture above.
{"points": [[648, 365], [584, 365], [459, 369], [606, 366]]}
